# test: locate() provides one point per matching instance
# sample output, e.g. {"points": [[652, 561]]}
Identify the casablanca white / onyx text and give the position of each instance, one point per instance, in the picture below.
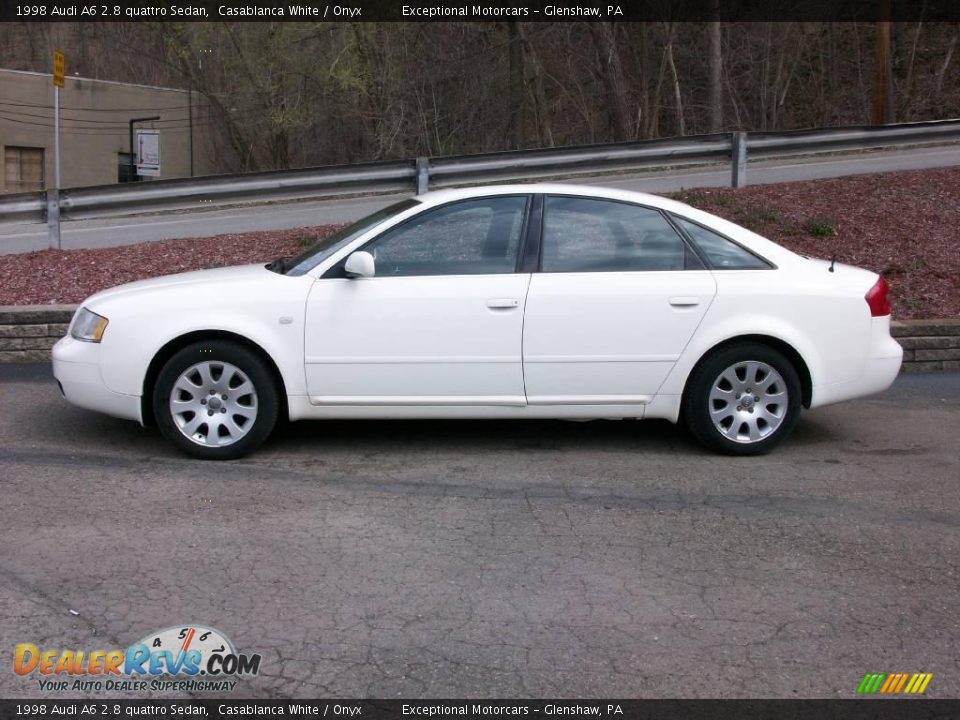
{"points": [[517, 301]]}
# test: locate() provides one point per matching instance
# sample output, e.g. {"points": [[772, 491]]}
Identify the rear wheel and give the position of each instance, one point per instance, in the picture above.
{"points": [[215, 400], [743, 399]]}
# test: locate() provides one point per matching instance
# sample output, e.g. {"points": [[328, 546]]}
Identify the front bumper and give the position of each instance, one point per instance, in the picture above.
{"points": [[76, 367]]}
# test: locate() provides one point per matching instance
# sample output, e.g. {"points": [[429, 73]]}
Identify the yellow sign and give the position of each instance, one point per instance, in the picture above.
{"points": [[59, 63]]}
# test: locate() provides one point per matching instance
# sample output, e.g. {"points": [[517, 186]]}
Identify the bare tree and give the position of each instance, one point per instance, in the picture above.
{"points": [[715, 100]]}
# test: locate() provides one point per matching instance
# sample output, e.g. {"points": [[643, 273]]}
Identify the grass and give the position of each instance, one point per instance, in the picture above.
{"points": [[821, 227]]}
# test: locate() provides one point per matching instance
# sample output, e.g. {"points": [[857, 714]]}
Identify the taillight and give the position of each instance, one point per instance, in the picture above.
{"points": [[878, 298]]}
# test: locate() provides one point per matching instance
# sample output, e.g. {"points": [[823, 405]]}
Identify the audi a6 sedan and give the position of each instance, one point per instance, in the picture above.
{"points": [[518, 301]]}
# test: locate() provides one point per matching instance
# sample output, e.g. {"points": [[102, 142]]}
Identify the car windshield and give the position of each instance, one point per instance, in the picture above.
{"points": [[325, 247]]}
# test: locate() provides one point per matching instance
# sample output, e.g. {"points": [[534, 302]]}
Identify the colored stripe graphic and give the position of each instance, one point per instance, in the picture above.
{"points": [[894, 683], [871, 682], [920, 684], [899, 686]]}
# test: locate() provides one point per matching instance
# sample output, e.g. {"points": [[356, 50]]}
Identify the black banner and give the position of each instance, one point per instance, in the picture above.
{"points": [[467, 11], [899, 709]]}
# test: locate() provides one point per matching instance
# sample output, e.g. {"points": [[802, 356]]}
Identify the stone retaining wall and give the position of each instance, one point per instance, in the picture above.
{"points": [[28, 332], [928, 344]]}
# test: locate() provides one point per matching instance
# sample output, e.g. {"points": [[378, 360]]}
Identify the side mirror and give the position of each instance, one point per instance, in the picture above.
{"points": [[360, 264]]}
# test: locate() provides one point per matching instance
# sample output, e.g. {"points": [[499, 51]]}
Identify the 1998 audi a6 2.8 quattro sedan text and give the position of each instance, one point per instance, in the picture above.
{"points": [[523, 301]]}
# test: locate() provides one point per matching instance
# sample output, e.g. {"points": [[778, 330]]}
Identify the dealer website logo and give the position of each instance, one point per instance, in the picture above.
{"points": [[894, 683], [182, 658]]}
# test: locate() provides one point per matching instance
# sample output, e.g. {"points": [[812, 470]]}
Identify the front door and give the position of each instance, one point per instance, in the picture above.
{"points": [[441, 321]]}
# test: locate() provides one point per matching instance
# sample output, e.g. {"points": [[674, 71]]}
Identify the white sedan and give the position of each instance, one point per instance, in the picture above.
{"points": [[522, 301]]}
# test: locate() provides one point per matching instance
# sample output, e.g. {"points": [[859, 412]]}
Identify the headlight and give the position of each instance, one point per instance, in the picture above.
{"points": [[88, 326]]}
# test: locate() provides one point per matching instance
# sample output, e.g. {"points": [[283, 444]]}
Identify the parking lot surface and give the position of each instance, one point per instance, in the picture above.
{"points": [[497, 559]]}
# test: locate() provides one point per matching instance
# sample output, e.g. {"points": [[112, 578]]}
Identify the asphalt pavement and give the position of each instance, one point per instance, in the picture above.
{"points": [[497, 559], [200, 222]]}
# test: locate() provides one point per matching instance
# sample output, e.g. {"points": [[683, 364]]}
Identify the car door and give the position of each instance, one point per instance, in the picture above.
{"points": [[618, 296], [440, 322]]}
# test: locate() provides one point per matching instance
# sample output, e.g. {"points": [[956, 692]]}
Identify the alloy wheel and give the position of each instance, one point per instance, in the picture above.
{"points": [[748, 401], [213, 403]]}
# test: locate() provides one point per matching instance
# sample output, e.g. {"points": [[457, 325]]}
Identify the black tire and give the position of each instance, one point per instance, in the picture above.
{"points": [[242, 364], [750, 415]]}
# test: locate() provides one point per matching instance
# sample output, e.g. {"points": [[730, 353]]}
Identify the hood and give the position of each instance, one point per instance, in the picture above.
{"points": [[228, 275]]}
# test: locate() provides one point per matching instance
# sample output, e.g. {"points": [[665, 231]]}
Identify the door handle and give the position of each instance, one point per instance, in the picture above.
{"points": [[502, 303], [684, 301]]}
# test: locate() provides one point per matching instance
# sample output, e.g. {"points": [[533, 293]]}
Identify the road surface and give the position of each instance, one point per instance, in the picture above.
{"points": [[497, 559]]}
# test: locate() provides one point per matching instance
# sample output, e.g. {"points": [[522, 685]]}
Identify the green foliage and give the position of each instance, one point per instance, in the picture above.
{"points": [[821, 227]]}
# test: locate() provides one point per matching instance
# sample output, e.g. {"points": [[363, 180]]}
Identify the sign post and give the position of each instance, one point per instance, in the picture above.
{"points": [[53, 196]]}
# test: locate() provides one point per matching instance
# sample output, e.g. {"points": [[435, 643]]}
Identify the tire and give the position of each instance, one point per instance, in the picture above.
{"points": [[215, 400], [723, 417]]}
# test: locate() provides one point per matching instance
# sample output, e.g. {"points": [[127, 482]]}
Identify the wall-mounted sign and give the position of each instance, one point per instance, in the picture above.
{"points": [[148, 153]]}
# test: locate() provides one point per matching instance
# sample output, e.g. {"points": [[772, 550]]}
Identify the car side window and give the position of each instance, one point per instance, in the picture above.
{"points": [[473, 237], [588, 235], [721, 253]]}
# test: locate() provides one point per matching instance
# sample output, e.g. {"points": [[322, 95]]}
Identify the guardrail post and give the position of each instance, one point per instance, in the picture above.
{"points": [[423, 175], [53, 217], [738, 159]]}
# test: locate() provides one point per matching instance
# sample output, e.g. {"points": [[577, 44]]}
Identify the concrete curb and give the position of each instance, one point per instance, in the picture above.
{"points": [[27, 332]]}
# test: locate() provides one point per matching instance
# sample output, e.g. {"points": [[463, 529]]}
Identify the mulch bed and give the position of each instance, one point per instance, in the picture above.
{"points": [[905, 225]]}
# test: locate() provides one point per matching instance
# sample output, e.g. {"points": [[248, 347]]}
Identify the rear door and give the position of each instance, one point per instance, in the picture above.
{"points": [[617, 297]]}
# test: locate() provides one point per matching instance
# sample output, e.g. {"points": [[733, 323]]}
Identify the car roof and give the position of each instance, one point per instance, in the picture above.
{"points": [[437, 197]]}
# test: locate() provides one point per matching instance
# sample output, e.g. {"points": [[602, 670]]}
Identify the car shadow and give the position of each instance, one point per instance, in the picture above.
{"points": [[445, 435], [88, 431]]}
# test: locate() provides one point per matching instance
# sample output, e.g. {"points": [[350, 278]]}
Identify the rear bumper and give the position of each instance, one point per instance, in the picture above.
{"points": [[880, 369], [76, 367]]}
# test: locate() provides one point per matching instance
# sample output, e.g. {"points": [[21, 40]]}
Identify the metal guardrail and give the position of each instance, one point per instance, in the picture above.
{"points": [[523, 164], [27, 207], [381, 176], [465, 169]]}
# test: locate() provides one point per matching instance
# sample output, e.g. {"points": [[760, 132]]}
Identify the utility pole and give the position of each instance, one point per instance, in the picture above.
{"points": [[883, 77]]}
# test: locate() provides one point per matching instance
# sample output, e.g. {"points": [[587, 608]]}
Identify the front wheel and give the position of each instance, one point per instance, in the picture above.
{"points": [[743, 399], [215, 400]]}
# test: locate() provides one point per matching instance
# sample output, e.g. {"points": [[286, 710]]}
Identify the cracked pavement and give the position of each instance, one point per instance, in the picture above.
{"points": [[497, 559]]}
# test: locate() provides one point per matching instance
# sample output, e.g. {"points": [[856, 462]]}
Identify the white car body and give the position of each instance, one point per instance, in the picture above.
{"points": [[512, 345]]}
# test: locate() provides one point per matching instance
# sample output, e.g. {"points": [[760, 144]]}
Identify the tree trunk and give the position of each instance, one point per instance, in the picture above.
{"points": [[946, 63], [611, 70], [516, 84], [678, 100], [540, 108], [715, 99]]}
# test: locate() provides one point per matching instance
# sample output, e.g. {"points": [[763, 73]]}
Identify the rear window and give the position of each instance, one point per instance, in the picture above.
{"points": [[721, 252], [594, 235]]}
